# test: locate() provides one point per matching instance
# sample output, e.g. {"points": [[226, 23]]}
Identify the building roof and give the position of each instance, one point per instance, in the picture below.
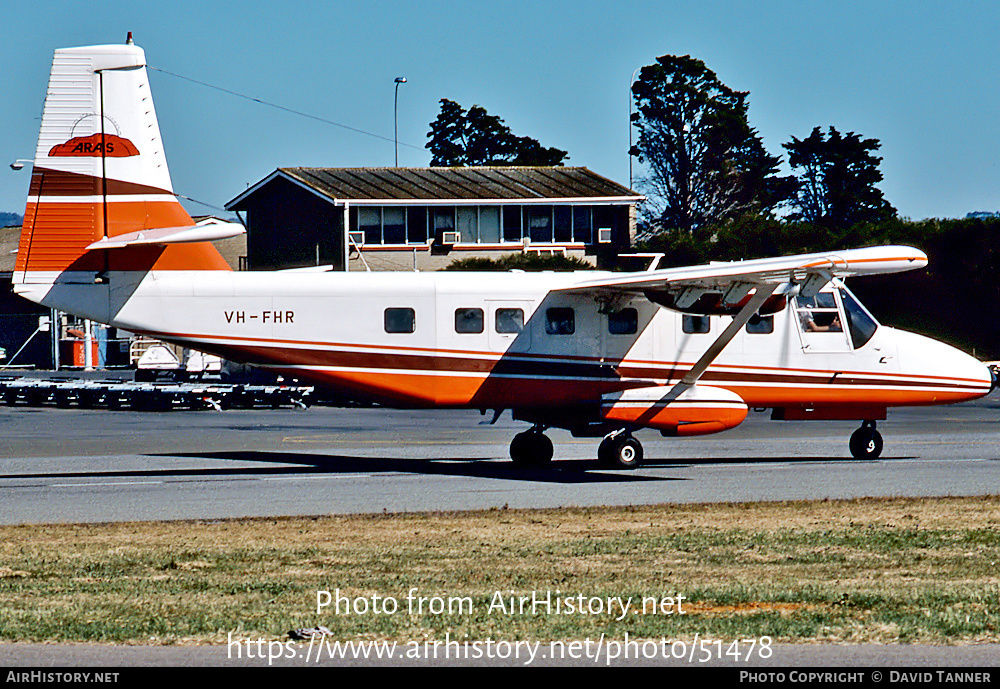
{"points": [[451, 185]]}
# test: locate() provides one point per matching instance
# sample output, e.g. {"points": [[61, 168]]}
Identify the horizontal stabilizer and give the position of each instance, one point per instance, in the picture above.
{"points": [[171, 235]]}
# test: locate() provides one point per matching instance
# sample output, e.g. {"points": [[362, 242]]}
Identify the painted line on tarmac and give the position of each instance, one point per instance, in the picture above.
{"points": [[116, 483], [339, 477], [265, 478]]}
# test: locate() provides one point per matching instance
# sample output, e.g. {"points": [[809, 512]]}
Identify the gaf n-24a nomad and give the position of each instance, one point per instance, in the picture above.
{"points": [[685, 351]]}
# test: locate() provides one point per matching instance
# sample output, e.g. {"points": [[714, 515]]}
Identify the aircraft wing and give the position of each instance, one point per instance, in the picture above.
{"points": [[744, 286], [734, 280]]}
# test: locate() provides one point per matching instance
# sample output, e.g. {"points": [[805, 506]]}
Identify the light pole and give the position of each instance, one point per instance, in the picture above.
{"points": [[395, 117], [53, 314], [630, 99]]}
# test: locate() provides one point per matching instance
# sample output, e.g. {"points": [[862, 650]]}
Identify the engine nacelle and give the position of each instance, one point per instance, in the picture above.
{"points": [[675, 410]]}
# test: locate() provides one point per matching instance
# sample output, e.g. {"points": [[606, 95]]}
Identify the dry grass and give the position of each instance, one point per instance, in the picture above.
{"points": [[862, 570]]}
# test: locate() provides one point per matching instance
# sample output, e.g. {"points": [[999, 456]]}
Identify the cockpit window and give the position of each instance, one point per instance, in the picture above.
{"points": [[861, 325], [818, 314]]}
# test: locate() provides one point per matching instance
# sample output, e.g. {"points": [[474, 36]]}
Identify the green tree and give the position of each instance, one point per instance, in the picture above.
{"points": [[836, 185], [460, 138], [706, 164]]}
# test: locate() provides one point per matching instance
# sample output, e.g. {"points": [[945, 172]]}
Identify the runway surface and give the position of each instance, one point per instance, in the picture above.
{"points": [[78, 465]]}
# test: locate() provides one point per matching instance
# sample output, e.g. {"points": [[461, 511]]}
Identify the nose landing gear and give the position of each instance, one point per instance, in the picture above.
{"points": [[866, 442]]}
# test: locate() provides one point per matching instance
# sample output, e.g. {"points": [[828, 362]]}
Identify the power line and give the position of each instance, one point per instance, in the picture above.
{"points": [[201, 203], [282, 107]]}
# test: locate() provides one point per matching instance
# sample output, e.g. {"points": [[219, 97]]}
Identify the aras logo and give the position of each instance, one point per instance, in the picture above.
{"points": [[112, 146]]}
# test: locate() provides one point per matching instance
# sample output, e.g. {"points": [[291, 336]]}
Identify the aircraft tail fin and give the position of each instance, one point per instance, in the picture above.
{"points": [[100, 172]]}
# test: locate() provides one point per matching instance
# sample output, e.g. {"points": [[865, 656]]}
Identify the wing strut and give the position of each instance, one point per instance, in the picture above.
{"points": [[762, 293]]}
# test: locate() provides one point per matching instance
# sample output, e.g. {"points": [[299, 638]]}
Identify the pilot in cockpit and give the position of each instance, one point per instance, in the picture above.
{"points": [[833, 327]]}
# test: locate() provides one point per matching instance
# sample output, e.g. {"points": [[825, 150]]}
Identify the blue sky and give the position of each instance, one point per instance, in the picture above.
{"points": [[922, 77]]}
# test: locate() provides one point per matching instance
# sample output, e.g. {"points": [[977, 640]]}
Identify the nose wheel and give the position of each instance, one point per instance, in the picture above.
{"points": [[866, 442], [620, 451], [531, 448]]}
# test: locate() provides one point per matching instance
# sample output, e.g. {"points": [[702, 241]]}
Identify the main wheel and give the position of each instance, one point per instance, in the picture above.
{"points": [[620, 452], [866, 443], [531, 448]]}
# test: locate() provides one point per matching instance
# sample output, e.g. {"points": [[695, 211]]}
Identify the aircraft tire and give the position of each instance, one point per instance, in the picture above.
{"points": [[866, 443], [531, 449], [620, 452]]}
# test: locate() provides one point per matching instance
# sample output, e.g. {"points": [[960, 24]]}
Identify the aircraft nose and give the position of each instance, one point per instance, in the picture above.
{"points": [[946, 373], [970, 373]]}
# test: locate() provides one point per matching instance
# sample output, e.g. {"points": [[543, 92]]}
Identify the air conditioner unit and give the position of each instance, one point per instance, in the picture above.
{"points": [[604, 235], [357, 238], [451, 237]]}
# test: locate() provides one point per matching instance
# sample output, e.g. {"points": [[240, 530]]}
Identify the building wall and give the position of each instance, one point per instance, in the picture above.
{"points": [[18, 321], [289, 227]]}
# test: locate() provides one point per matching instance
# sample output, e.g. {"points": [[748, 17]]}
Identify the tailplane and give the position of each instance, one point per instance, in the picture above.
{"points": [[100, 173]]}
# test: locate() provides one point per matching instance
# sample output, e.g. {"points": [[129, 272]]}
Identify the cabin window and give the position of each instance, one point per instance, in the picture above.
{"points": [[509, 321], [624, 322], [400, 320], [694, 325], [560, 320], [468, 320], [760, 325]]}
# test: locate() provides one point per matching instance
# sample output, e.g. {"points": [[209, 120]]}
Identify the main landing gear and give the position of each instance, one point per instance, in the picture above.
{"points": [[531, 448], [619, 450], [866, 442]]}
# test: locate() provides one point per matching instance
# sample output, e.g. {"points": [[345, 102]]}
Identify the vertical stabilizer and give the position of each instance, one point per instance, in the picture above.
{"points": [[100, 171]]}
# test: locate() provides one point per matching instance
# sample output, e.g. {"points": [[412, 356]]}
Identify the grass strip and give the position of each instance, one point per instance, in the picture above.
{"points": [[867, 570]]}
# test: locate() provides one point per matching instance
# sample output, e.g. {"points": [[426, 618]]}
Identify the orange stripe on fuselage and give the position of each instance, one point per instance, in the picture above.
{"points": [[426, 380], [493, 392]]}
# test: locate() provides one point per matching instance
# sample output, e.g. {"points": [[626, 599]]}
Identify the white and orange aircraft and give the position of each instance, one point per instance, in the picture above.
{"points": [[685, 351]]}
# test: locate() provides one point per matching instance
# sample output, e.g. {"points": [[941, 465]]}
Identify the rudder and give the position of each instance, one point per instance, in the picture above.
{"points": [[100, 171]]}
